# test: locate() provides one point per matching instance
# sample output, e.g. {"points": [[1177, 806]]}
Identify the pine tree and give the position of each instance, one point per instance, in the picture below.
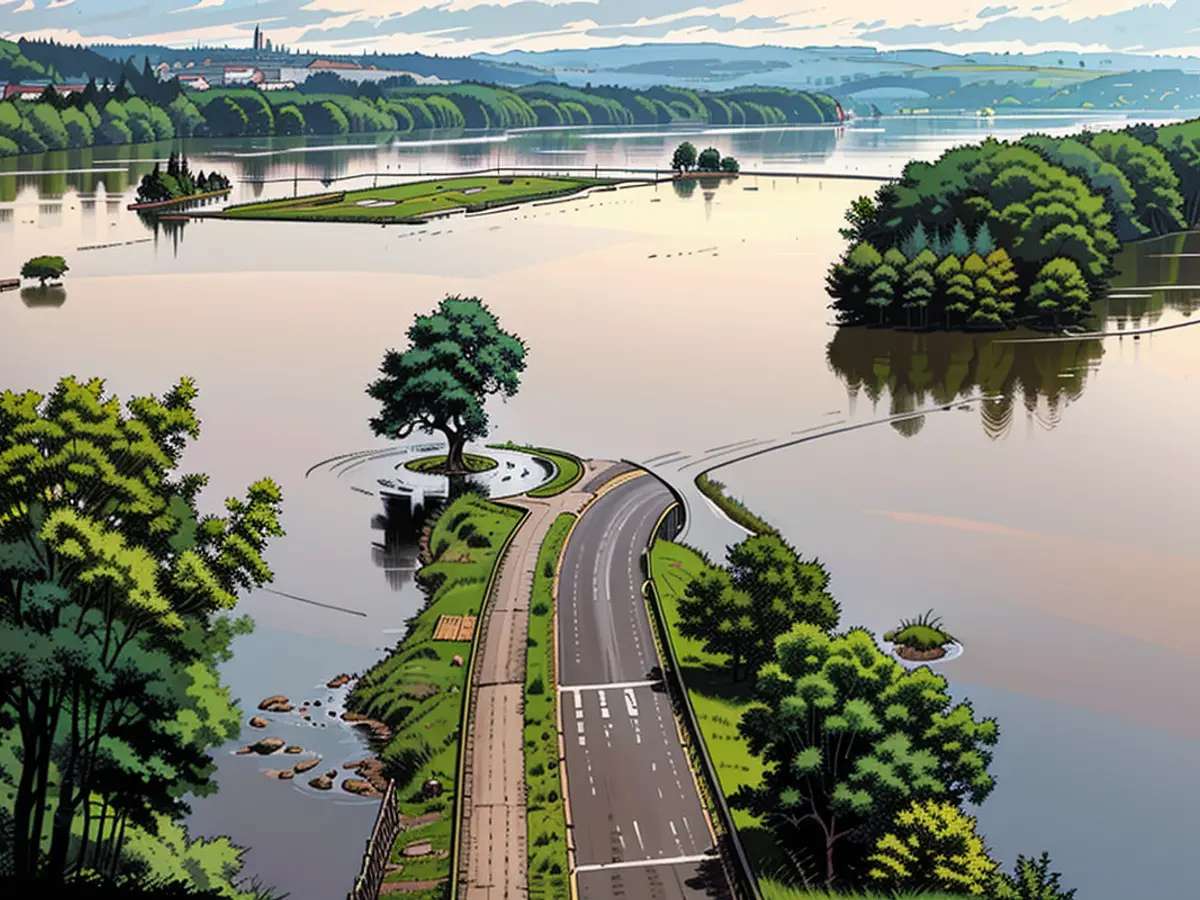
{"points": [[915, 241], [983, 244], [960, 244], [1003, 275]]}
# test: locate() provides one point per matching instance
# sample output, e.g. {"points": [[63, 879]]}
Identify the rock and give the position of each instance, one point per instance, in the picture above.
{"points": [[357, 786], [277, 703], [268, 745], [457, 661], [321, 783], [332, 713], [316, 703], [243, 751], [431, 788], [339, 681], [332, 773], [306, 764], [294, 749], [258, 722], [287, 775], [419, 848]]}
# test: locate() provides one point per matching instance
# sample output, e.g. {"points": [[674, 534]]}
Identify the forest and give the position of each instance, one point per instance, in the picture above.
{"points": [[1004, 233], [139, 109]]}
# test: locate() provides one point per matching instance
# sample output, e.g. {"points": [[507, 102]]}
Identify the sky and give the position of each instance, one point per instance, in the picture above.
{"points": [[462, 27]]}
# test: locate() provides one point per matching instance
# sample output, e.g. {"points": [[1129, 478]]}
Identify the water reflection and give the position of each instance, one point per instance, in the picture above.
{"points": [[51, 296], [396, 554], [1170, 260], [921, 370]]}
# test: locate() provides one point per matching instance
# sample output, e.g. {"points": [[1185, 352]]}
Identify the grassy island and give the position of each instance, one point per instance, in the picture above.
{"points": [[417, 691], [568, 468], [920, 638], [437, 464], [415, 202], [1013, 232], [178, 184]]}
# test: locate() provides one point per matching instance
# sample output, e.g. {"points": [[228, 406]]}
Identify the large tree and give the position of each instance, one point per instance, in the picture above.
{"points": [[113, 595], [850, 738], [766, 588], [459, 356]]}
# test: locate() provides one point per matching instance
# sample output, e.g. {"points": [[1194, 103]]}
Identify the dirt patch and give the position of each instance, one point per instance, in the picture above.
{"points": [[409, 823], [409, 887], [914, 655]]}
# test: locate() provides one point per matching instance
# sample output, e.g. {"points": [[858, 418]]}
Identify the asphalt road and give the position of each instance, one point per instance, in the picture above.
{"points": [[640, 829]]}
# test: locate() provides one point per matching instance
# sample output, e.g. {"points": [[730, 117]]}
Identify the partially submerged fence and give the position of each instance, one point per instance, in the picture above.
{"points": [[379, 848]]}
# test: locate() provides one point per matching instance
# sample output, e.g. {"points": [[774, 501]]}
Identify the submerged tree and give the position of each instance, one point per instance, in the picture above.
{"points": [[459, 356]]}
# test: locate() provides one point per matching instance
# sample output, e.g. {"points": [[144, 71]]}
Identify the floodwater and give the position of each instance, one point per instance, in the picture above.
{"points": [[1053, 527]]}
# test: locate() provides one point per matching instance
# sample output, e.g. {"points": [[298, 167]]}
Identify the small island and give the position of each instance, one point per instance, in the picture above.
{"points": [[178, 185], [686, 161], [417, 202], [920, 639]]}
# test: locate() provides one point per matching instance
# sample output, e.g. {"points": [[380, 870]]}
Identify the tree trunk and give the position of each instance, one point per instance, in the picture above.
{"points": [[828, 863], [455, 464]]}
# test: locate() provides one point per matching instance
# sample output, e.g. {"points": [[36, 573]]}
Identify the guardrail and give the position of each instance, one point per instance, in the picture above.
{"points": [[729, 843], [379, 848], [466, 738]]}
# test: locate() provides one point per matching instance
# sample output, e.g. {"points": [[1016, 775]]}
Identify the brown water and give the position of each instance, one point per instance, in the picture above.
{"points": [[1054, 530]]}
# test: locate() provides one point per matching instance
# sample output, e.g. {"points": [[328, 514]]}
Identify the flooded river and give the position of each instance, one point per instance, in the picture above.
{"points": [[1053, 527]]}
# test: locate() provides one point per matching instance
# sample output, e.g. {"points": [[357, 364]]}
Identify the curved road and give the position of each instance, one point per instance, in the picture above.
{"points": [[640, 829]]}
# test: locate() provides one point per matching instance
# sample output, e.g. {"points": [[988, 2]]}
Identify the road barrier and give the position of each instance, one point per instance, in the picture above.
{"points": [[379, 848], [729, 843]]}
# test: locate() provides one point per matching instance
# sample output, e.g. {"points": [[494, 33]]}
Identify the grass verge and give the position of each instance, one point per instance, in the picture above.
{"points": [[774, 890], [568, 468], [735, 509], [546, 815], [473, 463], [414, 201], [418, 690]]}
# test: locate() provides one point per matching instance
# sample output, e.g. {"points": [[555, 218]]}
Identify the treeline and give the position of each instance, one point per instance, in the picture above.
{"points": [[178, 181], [140, 109], [1006, 232]]}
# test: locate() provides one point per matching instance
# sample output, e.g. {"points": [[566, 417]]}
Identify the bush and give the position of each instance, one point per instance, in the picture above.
{"points": [[1031, 881], [548, 569], [478, 541], [932, 845], [540, 608], [537, 686], [466, 531]]}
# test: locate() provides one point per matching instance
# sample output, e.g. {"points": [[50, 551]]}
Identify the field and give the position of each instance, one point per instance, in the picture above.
{"points": [[418, 691], [547, 825], [569, 469], [413, 202]]}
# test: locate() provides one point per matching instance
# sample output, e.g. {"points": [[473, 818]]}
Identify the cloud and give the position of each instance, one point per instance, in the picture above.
{"points": [[199, 5]]}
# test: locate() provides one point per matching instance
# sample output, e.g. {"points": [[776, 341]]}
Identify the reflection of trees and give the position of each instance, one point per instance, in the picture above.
{"points": [[782, 144], [1161, 261], [684, 187], [922, 370], [396, 554], [43, 297]]}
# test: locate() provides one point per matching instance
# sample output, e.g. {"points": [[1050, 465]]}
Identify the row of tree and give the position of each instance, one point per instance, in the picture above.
{"points": [[1060, 208], [139, 108], [868, 764], [686, 159], [178, 181], [116, 595]]}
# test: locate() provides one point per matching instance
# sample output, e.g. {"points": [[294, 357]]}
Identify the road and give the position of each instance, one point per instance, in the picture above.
{"points": [[640, 829]]}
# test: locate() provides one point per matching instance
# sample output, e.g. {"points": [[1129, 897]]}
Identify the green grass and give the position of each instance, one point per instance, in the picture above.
{"points": [[774, 890], [568, 469], [546, 816], [413, 201], [735, 509], [416, 689], [474, 463], [921, 633]]}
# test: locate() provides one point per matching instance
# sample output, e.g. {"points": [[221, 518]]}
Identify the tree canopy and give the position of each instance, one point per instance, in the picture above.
{"points": [[459, 356], [44, 268], [115, 591]]}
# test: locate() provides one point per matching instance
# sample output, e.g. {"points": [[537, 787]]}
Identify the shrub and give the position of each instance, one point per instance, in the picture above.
{"points": [[1032, 880], [932, 845], [478, 541], [548, 569], [537, 686], [466, 531], [540, 608]]}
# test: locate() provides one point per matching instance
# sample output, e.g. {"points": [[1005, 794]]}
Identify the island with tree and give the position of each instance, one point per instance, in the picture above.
{"points": [[44, 269], [1007, 233], [177, 184], [687, 161]]}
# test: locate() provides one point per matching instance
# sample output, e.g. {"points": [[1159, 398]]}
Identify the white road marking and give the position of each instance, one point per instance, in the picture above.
{"points": [[631, 703], [673, 831], [634, 863], [582, 741], [638, 832]]}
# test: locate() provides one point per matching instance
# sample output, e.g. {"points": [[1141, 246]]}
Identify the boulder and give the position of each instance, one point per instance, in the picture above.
{"points": [[268, 745], [357, 786], [258, 722], [287, 775], [277, 703], [339, 681], [457, 661], [305, 764], [321, 783], [431, 788], [332, 773], [316, 703], [243, 751], [294, 749]]}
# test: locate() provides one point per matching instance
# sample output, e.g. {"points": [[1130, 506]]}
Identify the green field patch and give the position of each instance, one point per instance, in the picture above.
{"points": [[433, 463], [568, 469], [418, 688], [414, 201], [546, 816]]}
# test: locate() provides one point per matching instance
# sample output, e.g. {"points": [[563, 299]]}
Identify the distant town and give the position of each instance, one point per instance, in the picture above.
{"points": [[264, 65]]}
